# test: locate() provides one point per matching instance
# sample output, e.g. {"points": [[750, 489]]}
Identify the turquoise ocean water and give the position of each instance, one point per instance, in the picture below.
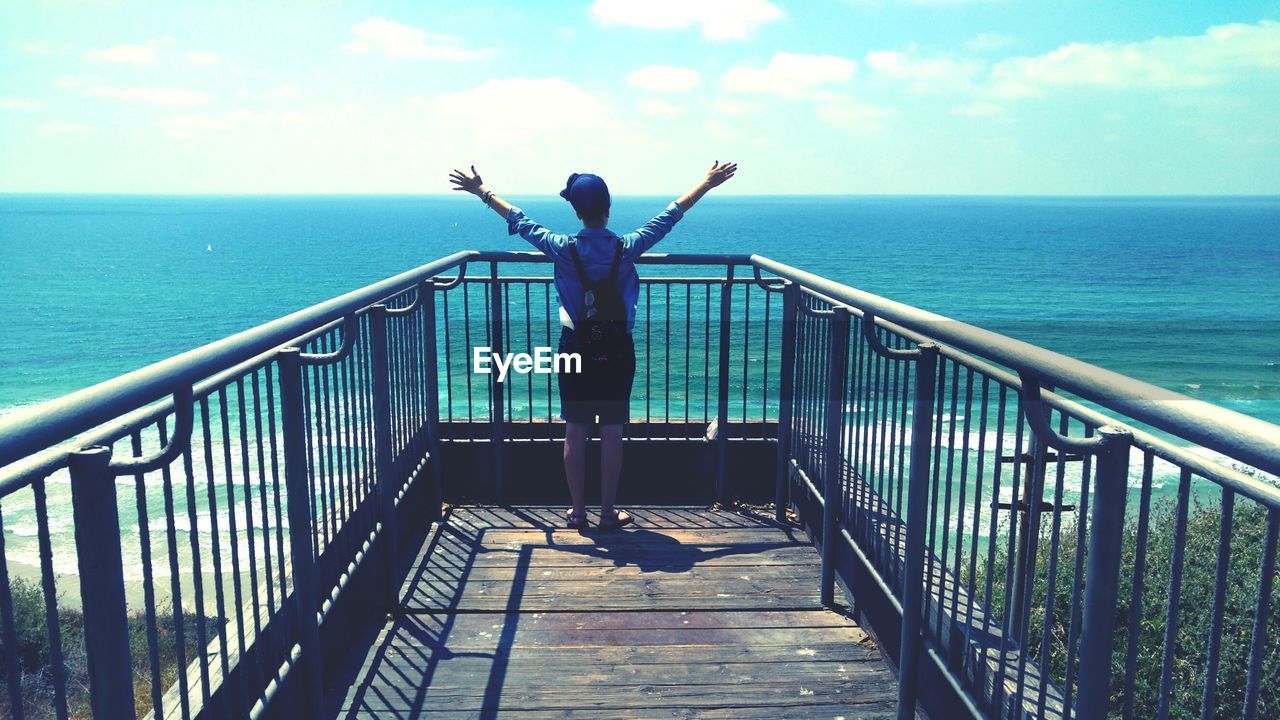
{"points": [[1180, 292]]}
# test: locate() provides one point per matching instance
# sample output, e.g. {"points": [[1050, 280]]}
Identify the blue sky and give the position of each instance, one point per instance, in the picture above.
{"points": [[844, 96]]}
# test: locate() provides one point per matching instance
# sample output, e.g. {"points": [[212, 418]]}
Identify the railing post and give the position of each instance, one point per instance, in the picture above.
{"points": [[722, 387], [497, 414], [1102, 571], [786, 388], [106, 622], [837, 359], [432, 369], [926, 378], [386, 484], [302, 552]]}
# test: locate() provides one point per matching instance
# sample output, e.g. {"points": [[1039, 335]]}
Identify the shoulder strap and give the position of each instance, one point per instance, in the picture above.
{"points": [[617, 260], [577, 261]]}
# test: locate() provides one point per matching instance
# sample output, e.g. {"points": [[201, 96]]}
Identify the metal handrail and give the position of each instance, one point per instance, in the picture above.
{"points": [[36, 441], [41, 426], [1219, 473], [1247, 439]]}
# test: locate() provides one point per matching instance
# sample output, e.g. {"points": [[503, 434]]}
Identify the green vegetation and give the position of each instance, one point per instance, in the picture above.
{"points": [[35, 661], [1194, 610]]}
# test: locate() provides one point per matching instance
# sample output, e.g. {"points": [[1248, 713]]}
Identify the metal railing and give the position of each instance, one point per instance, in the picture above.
{"points": [[997, 516], [974, 487]]}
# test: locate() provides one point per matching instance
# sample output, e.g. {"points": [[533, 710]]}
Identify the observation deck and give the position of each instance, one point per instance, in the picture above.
{"points": [[845, 507]]}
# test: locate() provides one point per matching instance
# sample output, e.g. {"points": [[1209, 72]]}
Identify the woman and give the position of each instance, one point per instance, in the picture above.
{"points": [[594, 272]]}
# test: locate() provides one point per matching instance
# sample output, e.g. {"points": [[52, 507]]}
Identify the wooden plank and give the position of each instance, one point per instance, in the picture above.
{"points": [[675, 517], [712, 615], [666, 712]]}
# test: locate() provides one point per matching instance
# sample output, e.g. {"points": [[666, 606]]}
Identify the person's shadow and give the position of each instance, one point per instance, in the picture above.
{"points": [[403, 678], [655, 551]]}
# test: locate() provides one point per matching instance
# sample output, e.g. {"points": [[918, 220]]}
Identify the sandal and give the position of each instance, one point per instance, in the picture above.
{"points": [[620, 518], [576, 522]]}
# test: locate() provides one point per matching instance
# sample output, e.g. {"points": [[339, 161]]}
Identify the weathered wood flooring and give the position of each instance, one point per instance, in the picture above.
{"points": [[687, 613]]}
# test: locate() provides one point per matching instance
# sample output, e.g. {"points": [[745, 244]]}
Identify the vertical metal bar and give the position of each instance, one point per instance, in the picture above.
{"points": [[98, 555], [1213, 653], [917, 518], [1097, 637], [1077, 577], [1138, 586], [497, 414], [1262, 612], [837, 358], [215, 549], [386, 484], [301, 540], [786, 386], [1175, 594], [431, 366], [722, 386], [13, 667], [57, 668]]}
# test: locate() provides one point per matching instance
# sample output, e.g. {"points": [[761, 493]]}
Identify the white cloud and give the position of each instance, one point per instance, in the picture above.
{"points": [[489, 103], [64, 128], [271, 117], [582, 130], [202, 58], [665, 78], [34, 47], [978, 109], [284, 91], [718, 19], [403, 42], [661, 108], [185, 126], [21, 104], [848, 114], [155, 95], [987, 41], [924, 75], [125, 55], [1222, 54], [729, 106], [790, 75], [74, 82]]}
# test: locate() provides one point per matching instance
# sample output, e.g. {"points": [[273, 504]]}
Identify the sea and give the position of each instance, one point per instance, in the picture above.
{"points": [[1182, 292]]}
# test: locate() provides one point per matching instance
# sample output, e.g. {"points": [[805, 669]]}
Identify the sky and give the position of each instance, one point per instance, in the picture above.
{"points": [[1056, 97]]}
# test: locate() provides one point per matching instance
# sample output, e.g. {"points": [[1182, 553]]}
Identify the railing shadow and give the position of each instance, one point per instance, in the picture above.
{"points": [[406, 656]]}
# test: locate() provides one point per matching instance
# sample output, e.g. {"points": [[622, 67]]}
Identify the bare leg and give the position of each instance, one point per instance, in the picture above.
{"points": [[575, 465], [610, 466]]}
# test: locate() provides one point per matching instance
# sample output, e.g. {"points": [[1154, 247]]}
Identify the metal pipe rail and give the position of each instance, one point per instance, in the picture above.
{"points": [[1249, 440], [935, 461]]}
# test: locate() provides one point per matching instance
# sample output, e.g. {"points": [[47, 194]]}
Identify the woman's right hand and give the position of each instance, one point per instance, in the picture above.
{"points": [[719, 173]]}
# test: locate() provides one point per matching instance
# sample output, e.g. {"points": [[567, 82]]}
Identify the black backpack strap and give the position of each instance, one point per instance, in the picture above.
{"points": [[617, 260], [577, 262]]}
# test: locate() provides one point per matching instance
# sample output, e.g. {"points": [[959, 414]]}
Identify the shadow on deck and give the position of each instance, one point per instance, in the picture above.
{"points": [[688, 613]]}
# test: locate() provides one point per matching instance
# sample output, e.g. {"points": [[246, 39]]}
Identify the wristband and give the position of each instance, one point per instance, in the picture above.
{"points": [[486, 196]]}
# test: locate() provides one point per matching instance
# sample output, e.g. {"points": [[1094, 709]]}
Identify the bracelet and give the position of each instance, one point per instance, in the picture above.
{"points": [[484, 198]]}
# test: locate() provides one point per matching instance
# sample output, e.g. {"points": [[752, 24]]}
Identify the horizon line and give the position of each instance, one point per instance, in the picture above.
{"points": [[436, 195]]}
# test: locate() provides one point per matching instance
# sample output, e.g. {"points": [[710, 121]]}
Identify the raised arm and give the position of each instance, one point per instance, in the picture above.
{"points": [[474, 185], [537, 235], [716, 176]]}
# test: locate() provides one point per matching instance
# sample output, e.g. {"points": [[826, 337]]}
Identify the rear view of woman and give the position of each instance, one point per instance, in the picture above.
{"points": [[598, 288]]}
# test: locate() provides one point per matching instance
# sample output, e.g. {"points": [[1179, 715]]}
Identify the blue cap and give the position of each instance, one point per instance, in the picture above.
{"points": [[587, 193]]}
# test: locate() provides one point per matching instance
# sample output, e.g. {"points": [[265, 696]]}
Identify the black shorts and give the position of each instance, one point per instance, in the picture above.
{"points": [[602, 390]]}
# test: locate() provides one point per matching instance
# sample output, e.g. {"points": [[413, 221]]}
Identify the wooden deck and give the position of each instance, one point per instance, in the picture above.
{"points": [[687, 613]]}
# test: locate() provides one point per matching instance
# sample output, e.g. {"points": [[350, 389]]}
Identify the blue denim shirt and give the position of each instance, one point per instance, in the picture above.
{"points": [[595, 247]]}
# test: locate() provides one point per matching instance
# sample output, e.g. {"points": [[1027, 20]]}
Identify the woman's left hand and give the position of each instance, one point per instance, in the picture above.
{"points": [[466, 183]]}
